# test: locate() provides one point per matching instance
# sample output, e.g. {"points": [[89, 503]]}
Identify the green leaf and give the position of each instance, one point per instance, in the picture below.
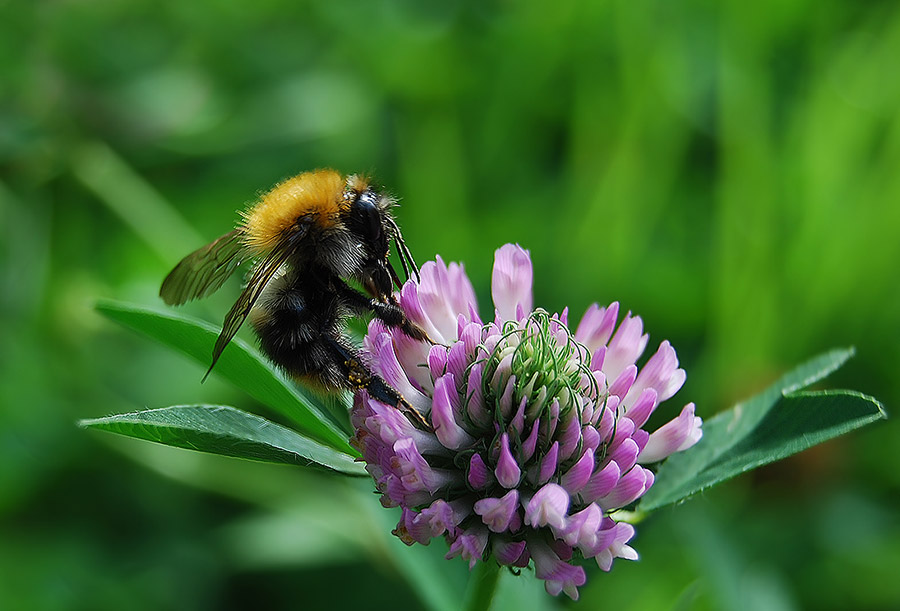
{"points": [[224, 430], [777, 423], [240, 364], [797, 422]]}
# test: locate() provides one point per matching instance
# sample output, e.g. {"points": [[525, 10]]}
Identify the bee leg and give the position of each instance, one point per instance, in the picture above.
{"points": [[393, 316], [358, 376], [390, 312], [379, 390]]}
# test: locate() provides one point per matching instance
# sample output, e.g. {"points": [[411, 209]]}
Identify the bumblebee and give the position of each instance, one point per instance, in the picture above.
{"points": [[308, 235]]}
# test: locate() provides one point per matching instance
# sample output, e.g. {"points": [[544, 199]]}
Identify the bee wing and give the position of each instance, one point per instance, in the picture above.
{"points": [[238, 313], [204, 270]]}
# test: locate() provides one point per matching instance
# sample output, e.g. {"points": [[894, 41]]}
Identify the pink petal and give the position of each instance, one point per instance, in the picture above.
{"points": [[385, 363], [640, 437], [414, 473], [558, 576], [607, 422], [443, 517], [661, 373], [512, 553], [569, 437], [412, 307], [478, 475], [554, 418], [623, 382], [530, 444], [640, 411], [432, 521], [590, 438], [412, 355], [581, 528], [507, 472], [625, 347], [630, 487], [548, 507], [597, 359], [549, 463], [601, 482], [437, 361], [624, 430], [389, 424], [625, 455], [506, 399], [474, 400], [597, 325], [500, 514], [511, 281], [443, 415], [578, 475], [518, 421], [443, 293], [470, 334], [457, 360], [617, 549], [470, 545], [674, 436]]}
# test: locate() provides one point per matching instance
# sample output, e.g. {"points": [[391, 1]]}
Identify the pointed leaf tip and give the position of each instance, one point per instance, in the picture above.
{"points": [[224, 430], [780, 421]]}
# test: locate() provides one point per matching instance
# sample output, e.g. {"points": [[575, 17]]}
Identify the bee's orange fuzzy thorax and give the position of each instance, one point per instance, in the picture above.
{"points": [[357, 183], [317, 195]]}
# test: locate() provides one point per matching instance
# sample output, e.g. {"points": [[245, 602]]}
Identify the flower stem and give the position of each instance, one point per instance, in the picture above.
{"points": [[482, 586]]}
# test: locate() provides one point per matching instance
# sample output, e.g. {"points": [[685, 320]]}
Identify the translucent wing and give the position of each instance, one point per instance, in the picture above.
{"points": [[204, 270], [238, 313]]}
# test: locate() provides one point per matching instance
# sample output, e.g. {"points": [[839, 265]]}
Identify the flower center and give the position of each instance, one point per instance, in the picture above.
{"points": [[538, 361]]}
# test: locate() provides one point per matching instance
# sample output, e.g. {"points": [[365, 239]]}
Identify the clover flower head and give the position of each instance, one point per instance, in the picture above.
{"points": [[538, 431]]}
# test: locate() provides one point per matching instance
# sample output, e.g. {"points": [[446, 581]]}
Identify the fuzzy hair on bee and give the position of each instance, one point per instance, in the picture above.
{"points": [[307, 236]]}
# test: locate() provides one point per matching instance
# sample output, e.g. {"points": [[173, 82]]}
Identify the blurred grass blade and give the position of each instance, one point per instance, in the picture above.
{"points": [[239, 364], [775, 424], [227, 431], [124, 191]]}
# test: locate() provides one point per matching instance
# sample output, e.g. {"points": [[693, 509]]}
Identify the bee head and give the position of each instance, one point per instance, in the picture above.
{"points": [[368, 219]]}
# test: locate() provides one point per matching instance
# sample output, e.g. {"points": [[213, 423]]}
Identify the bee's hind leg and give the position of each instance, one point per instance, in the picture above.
{"points": [[357, 376]]}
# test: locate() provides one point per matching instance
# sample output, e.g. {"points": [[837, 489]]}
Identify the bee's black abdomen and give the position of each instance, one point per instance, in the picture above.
{"points": [[296, 321], [299, 321]]}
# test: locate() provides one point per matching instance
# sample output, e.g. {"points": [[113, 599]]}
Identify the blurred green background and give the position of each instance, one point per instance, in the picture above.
{"points": [[729, 171]]}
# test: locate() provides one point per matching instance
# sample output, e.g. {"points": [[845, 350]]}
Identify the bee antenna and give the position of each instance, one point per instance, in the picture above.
{"points": [[406, 258], [412, 262], [402, 259]]}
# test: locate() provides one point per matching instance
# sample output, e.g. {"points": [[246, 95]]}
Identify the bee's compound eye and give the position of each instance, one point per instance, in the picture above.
{"points": [[369, 216]]}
